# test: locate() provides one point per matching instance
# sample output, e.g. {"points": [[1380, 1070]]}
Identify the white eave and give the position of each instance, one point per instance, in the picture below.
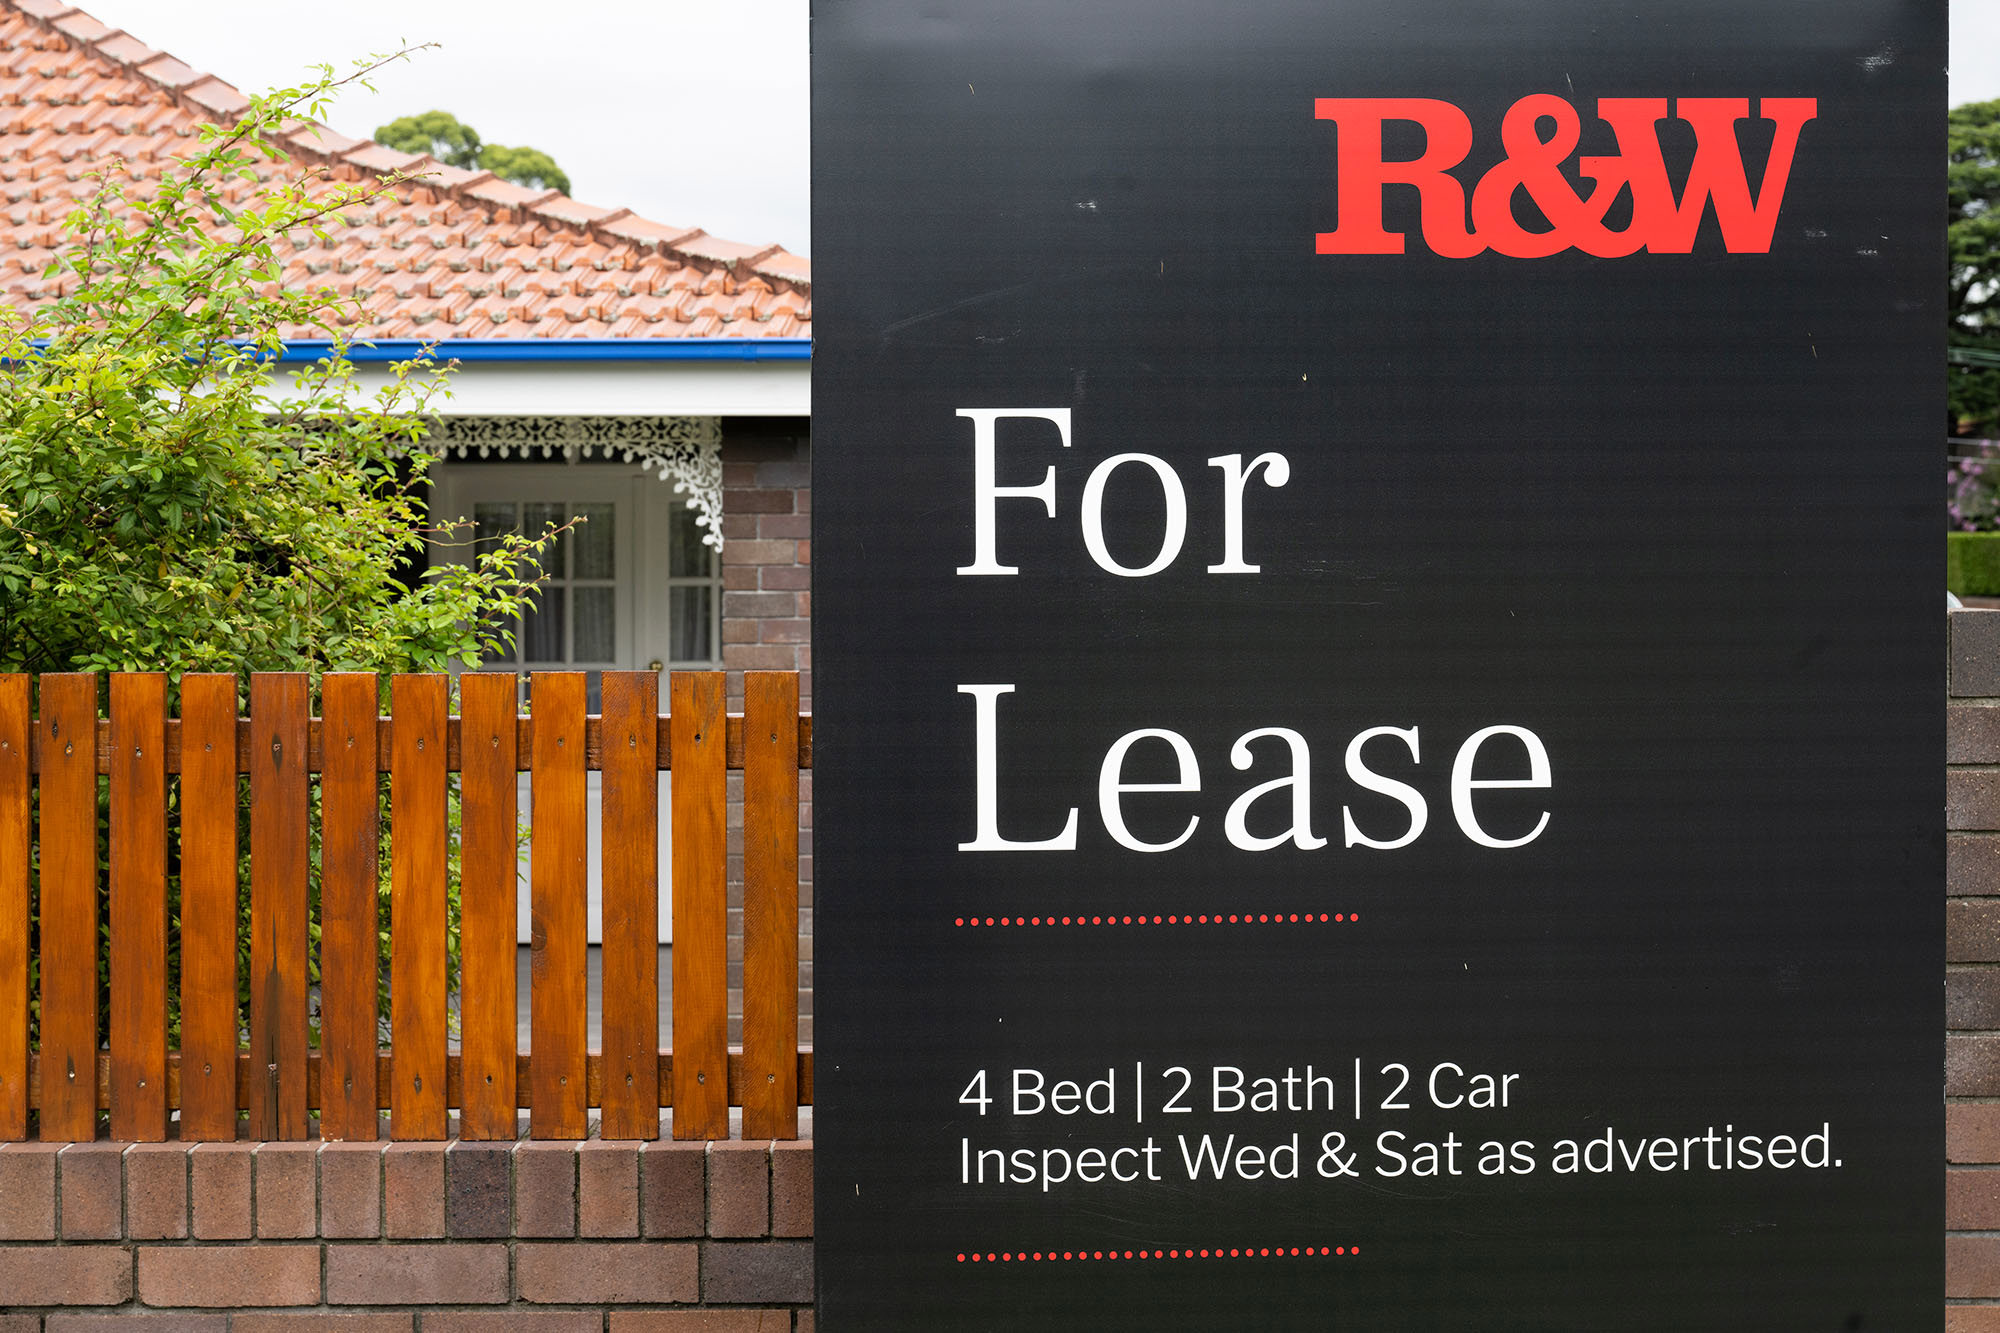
{"points": [[678, 377]]}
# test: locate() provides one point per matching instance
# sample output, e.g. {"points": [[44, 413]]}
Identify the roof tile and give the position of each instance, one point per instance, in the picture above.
{"points": [[212, 94], [80, 26], [453, 253]]}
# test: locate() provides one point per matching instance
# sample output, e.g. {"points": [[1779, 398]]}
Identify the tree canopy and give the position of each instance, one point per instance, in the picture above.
{"points": [[456, 144]]}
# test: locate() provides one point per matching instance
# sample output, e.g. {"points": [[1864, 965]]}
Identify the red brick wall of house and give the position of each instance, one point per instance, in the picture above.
{"points": [[767, 626]]}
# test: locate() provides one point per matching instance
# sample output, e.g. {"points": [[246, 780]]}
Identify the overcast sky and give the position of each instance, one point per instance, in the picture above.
{"points": [[690, 112]]}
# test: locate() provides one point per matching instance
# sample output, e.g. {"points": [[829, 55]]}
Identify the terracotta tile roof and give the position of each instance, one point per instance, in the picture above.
{"points": [[461, 254]]}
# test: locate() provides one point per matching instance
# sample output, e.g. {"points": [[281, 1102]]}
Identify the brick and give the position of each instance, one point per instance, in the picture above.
{"points": [[512, 1321], [792, 1187], [90, 1191], [220, 1176], [156, 1191], [1972, 998], [229, 1275], [287, 1190], [1971, 864], [1971, 1065], [739, 1188], [1971, 734], [478, 1189], [672, 1194], [785, 631], [786, 527], [739, 631], [321, 1321], [792, 472], [416, 1275], [741, 578], [350, 1190], [1972, 1199], [760, 551], [784, 578], [756, 605], [701, 1321], [739, 474], [764, 1272], [605, 1272], [545, 1189], [1975, 652], [1972, 1266], [1971, 930], [772, 500], [20, 1323], [1972, 1132], [126, 1321], [1971, 795], [760, 656], [413, 1190], [1972, 1319], [28, 1191], [736, 526], [607, 1188], [72, 1275]]}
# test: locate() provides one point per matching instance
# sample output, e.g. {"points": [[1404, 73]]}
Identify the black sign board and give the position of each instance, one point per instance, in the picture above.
{"points": [[1378, 751]]}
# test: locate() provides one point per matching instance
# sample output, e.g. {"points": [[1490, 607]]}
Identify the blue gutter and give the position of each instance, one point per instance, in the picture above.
{"points": [[468, 350]]}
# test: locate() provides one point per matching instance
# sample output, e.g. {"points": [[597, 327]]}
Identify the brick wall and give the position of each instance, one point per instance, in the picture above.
{"points": [[767, 626], [1972, 975], [596, 1237]]}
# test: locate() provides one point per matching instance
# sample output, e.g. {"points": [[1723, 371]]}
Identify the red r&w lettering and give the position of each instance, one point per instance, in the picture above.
{"points": [[1661, 223]]}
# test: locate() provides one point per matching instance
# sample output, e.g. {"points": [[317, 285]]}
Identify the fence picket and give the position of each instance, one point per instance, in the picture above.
{"points": [[488, 869], [208, 907], [770, 904], [631, 879], [68, 751], [279, 838], [69, 907], [349, 954], [138, 907], [701, 907], [418, 921], [16, 804], [558, 875]]}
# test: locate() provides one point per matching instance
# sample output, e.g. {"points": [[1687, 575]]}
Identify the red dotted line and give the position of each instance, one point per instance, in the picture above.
{"points": [[1091, 1256], [1190, 919]]}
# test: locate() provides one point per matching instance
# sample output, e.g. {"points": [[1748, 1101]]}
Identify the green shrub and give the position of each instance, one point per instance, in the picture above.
{"points": [[1972, 563]]}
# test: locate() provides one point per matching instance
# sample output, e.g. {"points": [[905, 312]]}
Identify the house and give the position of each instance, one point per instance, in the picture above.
{"points": [[652, 378]]}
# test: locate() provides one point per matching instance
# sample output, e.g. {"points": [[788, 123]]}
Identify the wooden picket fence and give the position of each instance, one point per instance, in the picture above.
{"points": [[50, 847]]}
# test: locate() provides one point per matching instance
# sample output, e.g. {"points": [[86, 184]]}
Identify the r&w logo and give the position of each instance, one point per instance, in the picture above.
{"points": [[1660, 223]]}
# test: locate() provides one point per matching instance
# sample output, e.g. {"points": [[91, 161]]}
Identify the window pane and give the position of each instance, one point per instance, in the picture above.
{"points": [[542, 628], [489, 522], [536, 518], [688, 610], [596, 623], [592, 541], [687, 557]]}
